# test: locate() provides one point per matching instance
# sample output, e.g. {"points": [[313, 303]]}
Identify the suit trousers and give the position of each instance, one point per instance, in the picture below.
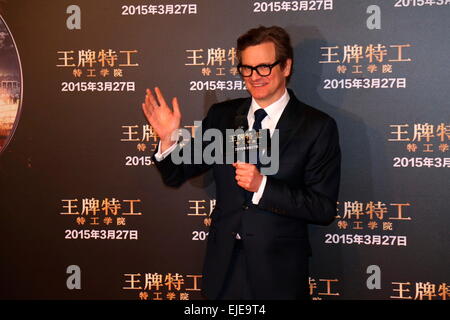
{"points": [[236, 285]]}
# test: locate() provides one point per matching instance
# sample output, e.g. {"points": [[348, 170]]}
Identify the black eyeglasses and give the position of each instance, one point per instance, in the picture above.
{"points": [[263, 70]]}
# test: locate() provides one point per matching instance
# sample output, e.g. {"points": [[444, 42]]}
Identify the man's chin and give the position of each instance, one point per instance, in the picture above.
{"points": [[258, 93]]}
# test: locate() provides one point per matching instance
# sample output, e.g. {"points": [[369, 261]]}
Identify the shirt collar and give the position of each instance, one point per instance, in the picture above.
{"points": [[274, 110]]}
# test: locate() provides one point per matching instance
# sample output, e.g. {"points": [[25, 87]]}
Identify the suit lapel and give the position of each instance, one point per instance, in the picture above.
{"points": [[289, 121], [240, 118], [287, 125]]}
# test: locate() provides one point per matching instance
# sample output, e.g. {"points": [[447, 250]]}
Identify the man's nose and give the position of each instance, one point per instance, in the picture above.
{"points": [[255, 76]]}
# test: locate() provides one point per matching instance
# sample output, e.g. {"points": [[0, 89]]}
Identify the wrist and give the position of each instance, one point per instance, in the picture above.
{"points": [[258, 181], [169, 140], [165, 144]]}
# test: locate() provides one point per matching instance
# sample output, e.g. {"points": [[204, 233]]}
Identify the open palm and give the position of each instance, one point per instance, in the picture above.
{"points": [[160, 116]]}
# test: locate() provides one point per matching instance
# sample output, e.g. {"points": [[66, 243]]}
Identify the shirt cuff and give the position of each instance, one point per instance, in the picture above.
{"points": [[258, 194], [160, 156]]}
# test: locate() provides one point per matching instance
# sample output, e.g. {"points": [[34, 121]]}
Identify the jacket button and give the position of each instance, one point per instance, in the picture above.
{"points": [[245, 207]]}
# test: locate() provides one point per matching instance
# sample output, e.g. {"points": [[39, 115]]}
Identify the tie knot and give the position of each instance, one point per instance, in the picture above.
{"points": [[260, 114]]}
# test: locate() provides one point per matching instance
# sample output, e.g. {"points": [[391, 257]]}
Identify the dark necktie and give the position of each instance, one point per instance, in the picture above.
{"points": [[260, 114]]}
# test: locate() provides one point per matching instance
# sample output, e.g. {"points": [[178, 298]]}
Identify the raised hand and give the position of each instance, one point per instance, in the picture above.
{"points": [[163, 120]]}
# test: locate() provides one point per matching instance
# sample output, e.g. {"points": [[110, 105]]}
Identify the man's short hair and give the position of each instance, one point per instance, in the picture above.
{"points": [[275, 34]]}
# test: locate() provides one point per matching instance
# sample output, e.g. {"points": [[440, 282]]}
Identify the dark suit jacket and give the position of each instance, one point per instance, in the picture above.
{"points": [[274, 232]]}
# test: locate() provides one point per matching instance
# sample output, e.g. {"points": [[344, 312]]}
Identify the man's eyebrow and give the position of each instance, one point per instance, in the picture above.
{"points": [[264, 63]]}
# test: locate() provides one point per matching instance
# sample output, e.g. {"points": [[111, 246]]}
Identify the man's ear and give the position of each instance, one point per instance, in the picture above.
{"points": [[287, 67]]}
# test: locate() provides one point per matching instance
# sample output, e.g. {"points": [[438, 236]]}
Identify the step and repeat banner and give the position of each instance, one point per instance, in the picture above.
{"points": [[83, 211]]}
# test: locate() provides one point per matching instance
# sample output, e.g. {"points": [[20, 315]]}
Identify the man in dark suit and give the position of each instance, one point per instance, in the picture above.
{"points": [[258, 245]]}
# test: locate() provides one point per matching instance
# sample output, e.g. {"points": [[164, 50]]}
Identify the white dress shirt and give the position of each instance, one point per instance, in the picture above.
{"points": [[273, 111]]}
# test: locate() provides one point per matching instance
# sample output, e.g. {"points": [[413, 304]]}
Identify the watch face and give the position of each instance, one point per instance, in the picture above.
{"points": [[10, 85]]}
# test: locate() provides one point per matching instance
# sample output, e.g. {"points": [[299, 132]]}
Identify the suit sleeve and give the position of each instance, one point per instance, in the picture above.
{"points": [[174, 175], [315, 201]]}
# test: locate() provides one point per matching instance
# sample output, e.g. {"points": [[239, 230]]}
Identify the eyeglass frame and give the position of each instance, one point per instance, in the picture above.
{"points": [[271, 66]]}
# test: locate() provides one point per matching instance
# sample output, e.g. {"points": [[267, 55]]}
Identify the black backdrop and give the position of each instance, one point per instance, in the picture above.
{"points": [[78, 188]]}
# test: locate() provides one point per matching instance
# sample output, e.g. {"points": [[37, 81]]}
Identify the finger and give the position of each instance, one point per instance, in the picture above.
{"points": [[147, 111], [148, 114], [150, 99], [237, 165], [160, 97], [246, 168], [243, 185], [176, 107], [243, 179], [243, 165], [242, 172], [249, 167], [144, 109], [240, 178], [149, 106], [147, 100]]}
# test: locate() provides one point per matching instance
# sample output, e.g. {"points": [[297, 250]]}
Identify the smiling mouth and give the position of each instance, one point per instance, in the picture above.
{"points": [[257, 85]]}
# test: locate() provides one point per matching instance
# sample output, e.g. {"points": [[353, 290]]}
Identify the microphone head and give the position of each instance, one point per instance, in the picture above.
{"points": [[240, 122]]}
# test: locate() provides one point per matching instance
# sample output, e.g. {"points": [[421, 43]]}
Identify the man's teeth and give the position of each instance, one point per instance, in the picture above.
{"points": [[259, 85]]}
